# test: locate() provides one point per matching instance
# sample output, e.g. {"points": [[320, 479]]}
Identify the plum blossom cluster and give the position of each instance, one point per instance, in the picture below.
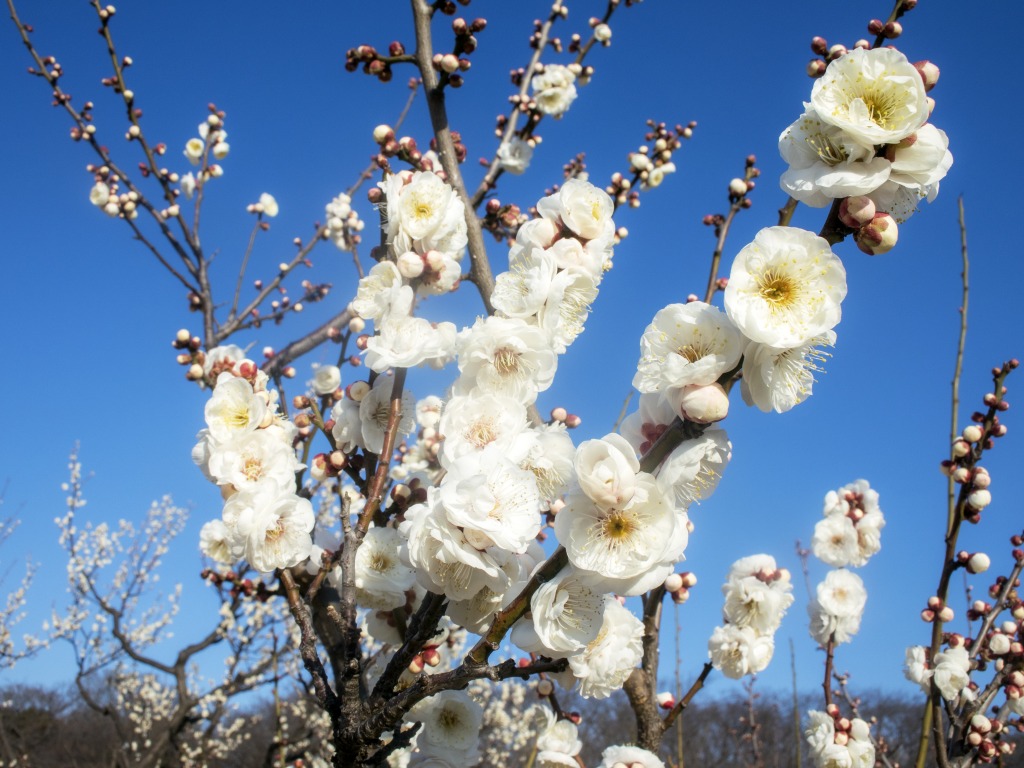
{"points": [[246, 449], [864, 140], [848, 534], [757, 593], [782, 301], [836, 741]]}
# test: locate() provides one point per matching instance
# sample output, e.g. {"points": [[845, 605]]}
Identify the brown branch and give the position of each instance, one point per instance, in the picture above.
{"points": [[307, 645], [375, 495], [684, 702], [961, 343], [480, 267]]}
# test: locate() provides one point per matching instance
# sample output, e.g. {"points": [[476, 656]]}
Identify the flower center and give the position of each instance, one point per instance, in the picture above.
{"points": [[777, 289], [506, 362], [379, 562], [694, 352], [826, 149], [252, 468], [619, 526], [481, 432], [275, 532]]}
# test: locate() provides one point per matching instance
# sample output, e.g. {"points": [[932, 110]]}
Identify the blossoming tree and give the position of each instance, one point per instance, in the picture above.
{"points": [[423, 545]]}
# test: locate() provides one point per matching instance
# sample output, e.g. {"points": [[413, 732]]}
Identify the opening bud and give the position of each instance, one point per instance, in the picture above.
{"points": [[857, 211], [878, 236], [700, 403]]}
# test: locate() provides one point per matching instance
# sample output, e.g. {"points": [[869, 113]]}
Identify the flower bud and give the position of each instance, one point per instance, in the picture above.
{"points": [[666, 700], [700, 403], [929, 73], [878, 236], [978, 563], [945, 615], [545, 687], [979, 499], [383, 134], [999, 644], [673, 582], [981, 724], [602, 33], [857, 211], [410, 265], [972, 433], [357, 390], [356, 325], [737, 187], [960, 448]]}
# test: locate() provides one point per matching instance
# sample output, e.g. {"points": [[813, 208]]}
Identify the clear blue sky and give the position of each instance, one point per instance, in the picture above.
{"points": [[90, 315]]}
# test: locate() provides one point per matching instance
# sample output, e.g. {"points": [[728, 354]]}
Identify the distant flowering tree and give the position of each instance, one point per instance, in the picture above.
{"points": [[393, 546]]}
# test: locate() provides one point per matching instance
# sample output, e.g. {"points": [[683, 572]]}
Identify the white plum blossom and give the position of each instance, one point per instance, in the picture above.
{"points": [[378, 291], [381, 577], [554, 89], [505, 356], [269, 205], [602, 667], [606, 470], [739, 651], [567, 613], [567, 306], [757, 594], [374, 412], [451, 722], [493, 501], [558, 740], [424, 214], [837, 608], [785, 287], [919, 162], [326, 380], [548, 452], [404, 341], [215, 541], [951, 672], [581, 207], [514, 155], [777, 379], [825, 163], [851, 530], [273, 525], [875, 96], [687, 344], [245, 460], [480, 423], [523, 289], [234, 410], [631, 756], [916, 668], [692, 471]]}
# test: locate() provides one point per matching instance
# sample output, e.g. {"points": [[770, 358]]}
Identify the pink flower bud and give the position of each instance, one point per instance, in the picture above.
{"points": [[410, 265], [960, 448], [666, 700], [879, 236], [979, 499], [945, 615], [929, 73], [857, 211], [700, 403], [979, 563]]}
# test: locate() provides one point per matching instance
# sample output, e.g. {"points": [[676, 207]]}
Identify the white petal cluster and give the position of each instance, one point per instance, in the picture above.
{"points": [[363, 424], [631, 756], [777, 379], [514, 155], [343, 223], [554, 89], [850, 531], [951, 672], [785, 288], [916, 668], [558, 741], [757, 593], [451, 726], [424, 214], [864, 132], [853, 748], [246, 449], [837, 608]]}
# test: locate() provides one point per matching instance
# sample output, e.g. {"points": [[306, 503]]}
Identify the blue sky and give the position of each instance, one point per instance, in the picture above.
{"points": [[90, 315]]}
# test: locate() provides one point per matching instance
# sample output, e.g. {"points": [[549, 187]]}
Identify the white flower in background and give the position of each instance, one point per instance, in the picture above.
{"points": [[194, 150], [593, 256], [252, 458], [606, 470], [686, 344], [99, 194], [919, 162], [584, 209], [474, 424], [375, 409], [493, 501], [875, 95], [378, 291], [187, 184], [825, 163], [269, 204], [381, 577], [523, 289], [428, 411], [785, 287], [558, 740], [951, 672], [739, 651], [215, 541], [567, 613], [757, 594], [645, 425], [602, 667], [505, 356], [274, 525], [777, 379], [693, 470], [554, 89], [634, 757], [835, 541], [326, 380], [348, 426], [220, 150], [838, 607], [220, 359], [514, 155], [424, 213], [656, 175], [820, 731], [451, 721], [234, 409], [916, 668]]}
